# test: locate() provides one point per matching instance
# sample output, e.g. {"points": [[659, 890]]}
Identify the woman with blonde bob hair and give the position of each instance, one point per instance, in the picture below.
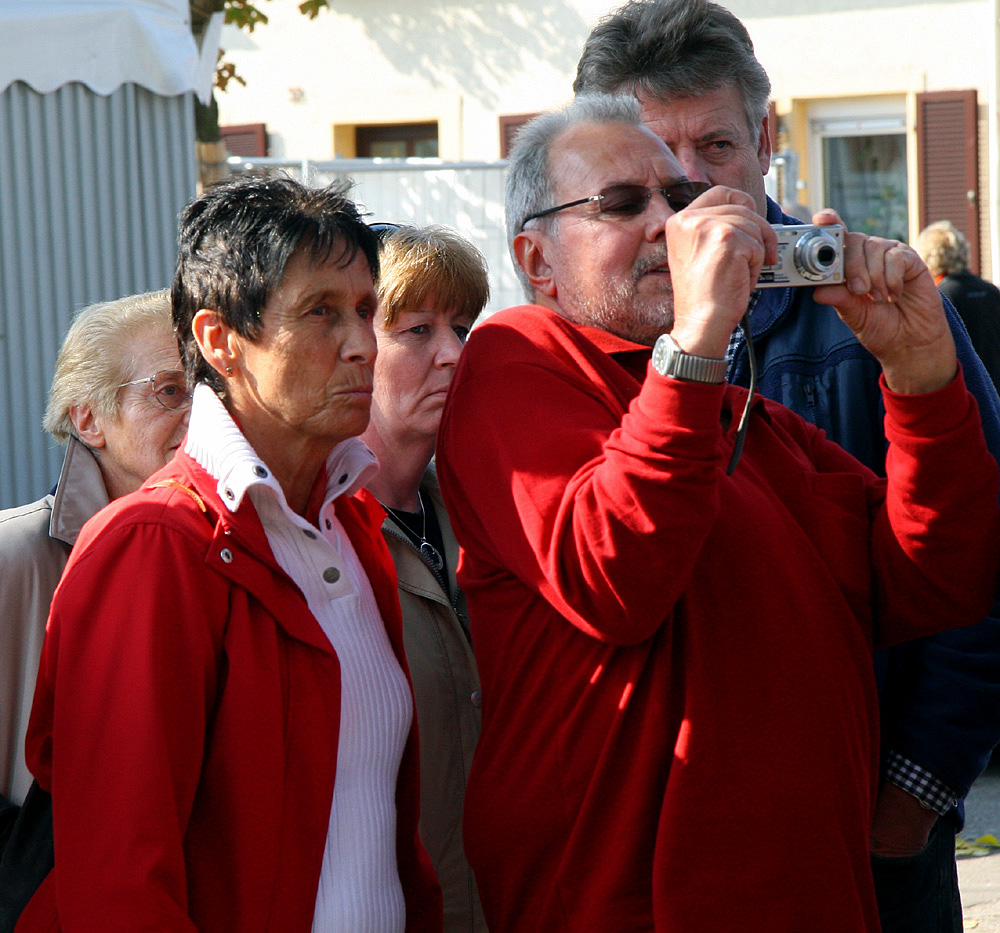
{"points": [[432, 287]]}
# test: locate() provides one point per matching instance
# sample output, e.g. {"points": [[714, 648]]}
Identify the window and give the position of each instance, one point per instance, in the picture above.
{"points": [[864, 172], [397, 141]]}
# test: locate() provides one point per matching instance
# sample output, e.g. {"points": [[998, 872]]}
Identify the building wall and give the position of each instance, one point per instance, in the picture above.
{"points": [[385, 60], [854, 57], [466, 65]]}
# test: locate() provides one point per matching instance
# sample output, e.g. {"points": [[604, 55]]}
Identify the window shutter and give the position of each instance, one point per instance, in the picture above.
{"points": [[247, 140], [508, 130], [948, 149]]}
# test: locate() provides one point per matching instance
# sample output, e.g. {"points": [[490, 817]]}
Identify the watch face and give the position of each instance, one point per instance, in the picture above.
{"points": [[661, 354], [671, 360]]}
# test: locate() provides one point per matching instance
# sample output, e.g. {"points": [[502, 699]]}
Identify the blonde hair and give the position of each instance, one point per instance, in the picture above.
{"points": [[943, 248], [95, 358], [422, 263]]}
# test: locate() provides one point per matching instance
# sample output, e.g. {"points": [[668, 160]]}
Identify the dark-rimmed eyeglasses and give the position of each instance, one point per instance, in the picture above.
{"points": [[632, 200], [169, 387], [384, 229]]}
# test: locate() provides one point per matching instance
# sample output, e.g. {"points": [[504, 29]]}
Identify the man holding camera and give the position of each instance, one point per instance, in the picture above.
{"points": [[675, 647], [691, 65]]}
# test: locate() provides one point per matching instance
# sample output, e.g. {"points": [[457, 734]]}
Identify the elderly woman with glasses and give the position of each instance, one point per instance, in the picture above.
{"points": [[432, 286], [223, 714], [119, 402]]}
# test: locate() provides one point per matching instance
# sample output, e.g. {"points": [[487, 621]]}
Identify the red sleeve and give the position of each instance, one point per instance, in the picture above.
{"points": [[573, 497], [940, 515], [935, 538], [576, 496], [126, 687]]}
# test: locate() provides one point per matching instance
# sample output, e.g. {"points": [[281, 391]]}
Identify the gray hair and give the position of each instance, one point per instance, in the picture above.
{"points": [[96, 358], [943, 248], [529, 184], [674, 49]]}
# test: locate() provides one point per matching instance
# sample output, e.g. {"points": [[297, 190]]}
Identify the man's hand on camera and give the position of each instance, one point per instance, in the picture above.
{"points": [[716, 248], [890, 301]]}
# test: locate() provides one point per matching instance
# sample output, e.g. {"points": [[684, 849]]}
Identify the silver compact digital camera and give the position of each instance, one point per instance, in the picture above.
{"points": [[807, 255]]}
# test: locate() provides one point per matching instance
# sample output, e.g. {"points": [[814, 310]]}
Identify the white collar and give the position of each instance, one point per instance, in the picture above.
{"points": [[217, 444]]}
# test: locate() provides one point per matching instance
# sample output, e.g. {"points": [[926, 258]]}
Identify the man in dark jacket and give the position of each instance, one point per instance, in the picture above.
{"points": [[692, 67]]}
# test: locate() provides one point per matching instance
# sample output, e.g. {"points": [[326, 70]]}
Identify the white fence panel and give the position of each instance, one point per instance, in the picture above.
{"points": [[466, 196]]}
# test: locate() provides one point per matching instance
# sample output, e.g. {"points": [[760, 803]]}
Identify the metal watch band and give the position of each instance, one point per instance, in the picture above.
{"points": [[670, 360]]}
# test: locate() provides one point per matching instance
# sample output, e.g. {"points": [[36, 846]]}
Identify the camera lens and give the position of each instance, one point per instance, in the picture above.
{"points": [[815, 255], [825, 256]]}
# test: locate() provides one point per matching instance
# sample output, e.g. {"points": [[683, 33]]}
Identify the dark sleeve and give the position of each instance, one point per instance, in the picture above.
{"points": [[978, 304]]}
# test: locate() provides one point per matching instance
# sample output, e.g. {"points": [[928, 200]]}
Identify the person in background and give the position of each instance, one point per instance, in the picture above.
{"points": [[433, 284], [945, 250], [691, 66], [120, 404], [223, 715]]}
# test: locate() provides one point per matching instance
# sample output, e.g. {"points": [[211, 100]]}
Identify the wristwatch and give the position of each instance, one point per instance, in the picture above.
{"points": [[670, 360]]}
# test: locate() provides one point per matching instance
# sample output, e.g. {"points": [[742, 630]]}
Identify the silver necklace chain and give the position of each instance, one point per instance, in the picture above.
{"points": [[427, 550]]}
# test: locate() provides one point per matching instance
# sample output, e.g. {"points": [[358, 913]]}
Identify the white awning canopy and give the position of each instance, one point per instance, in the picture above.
{"points": [[105, 44]]}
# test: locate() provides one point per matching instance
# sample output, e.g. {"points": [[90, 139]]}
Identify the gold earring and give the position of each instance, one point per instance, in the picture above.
{"points": [[229, 370]]}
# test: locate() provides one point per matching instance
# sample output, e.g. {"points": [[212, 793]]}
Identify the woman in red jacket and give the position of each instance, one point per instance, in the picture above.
{"points": [[223, 713]]}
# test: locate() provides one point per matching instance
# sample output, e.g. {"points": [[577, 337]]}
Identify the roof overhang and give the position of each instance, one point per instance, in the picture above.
{"points": [[105, 44]]}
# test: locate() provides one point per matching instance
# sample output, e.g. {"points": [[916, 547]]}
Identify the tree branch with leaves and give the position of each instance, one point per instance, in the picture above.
{"points": [[245, 15]]}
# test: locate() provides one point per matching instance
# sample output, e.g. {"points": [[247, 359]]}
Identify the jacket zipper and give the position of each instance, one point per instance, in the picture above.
{"points": [[437, 573]]}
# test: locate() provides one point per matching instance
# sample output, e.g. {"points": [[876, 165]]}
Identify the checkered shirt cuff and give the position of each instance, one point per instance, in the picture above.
{"points": [[920, 783], [734, 341], [737, 336]]}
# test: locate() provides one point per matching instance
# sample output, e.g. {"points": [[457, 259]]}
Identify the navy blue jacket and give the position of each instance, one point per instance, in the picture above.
{"points": [[940, 696]]}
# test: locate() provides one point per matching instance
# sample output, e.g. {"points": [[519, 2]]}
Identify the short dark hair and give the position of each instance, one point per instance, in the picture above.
{"points": [[235, 241], [674, 49]]}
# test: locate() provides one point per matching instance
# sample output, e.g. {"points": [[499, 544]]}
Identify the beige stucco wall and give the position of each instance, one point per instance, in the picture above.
{"points": [[379, 61], [859, 48]]}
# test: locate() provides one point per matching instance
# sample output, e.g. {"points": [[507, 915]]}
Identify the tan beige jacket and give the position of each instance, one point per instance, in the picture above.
{"points": [[35, 541], [446, 686]]}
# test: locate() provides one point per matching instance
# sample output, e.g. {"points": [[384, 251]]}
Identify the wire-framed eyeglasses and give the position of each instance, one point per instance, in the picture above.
{"points": [[632, 200], [169, 387]]}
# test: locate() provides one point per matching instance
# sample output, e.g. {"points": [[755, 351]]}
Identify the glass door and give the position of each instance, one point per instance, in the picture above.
{"points": [[863, 167]]}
